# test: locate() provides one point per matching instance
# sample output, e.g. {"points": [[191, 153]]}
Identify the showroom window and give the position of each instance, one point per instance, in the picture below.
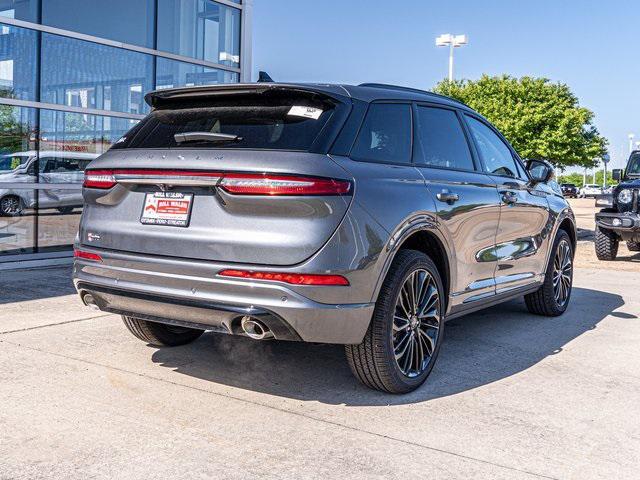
{"points": [[88, 75], [122, 20], [200, 29], [18, 50], [170, 74], [17, 197], [68, 142], [26, 10]]}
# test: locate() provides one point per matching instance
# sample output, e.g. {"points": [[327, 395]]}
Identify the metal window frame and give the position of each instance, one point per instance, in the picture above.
{"points": [[113, 43], [244, 72]]}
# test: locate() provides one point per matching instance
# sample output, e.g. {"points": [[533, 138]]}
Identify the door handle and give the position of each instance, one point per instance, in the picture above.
{"points": [[509, 197], [448, 197]]}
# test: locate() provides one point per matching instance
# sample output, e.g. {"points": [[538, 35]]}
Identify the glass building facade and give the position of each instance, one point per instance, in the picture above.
{"points": [[73, 75]]}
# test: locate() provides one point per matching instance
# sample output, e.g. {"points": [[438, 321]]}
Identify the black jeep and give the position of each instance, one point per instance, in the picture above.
{"points": [[620, 219]]}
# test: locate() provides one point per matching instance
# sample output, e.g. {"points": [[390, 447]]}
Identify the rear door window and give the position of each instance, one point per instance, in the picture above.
{"points": [[441, 142], [273, 122], [385, 135]]}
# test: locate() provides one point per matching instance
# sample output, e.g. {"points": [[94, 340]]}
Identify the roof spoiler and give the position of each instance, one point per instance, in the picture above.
{"points": [[157, 98]]}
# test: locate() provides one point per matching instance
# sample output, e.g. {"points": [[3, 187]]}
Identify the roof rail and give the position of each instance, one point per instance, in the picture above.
{"points": [[409, 89]]}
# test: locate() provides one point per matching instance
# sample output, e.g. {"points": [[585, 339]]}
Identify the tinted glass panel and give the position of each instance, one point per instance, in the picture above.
{"points": [[385, 135], [18, 48], [200, 29], [123, 20], [69, 141], [88, 75], [20, 9], [441, 140], [18, 159], [180, 74], [634, 165], [270, 121], [497, 157]]}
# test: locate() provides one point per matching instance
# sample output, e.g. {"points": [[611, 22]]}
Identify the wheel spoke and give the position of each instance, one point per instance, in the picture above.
{"points": [[428, 342], [402, 346], [400, 323], [407, 358]]}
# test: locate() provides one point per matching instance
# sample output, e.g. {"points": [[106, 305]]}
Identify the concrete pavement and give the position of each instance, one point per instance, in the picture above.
{"points": [[512, 396]]}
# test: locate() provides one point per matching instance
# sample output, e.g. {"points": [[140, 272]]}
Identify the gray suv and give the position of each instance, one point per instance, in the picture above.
{"points": [[358, 215]]}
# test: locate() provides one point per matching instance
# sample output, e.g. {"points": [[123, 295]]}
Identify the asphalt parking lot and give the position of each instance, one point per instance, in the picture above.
{"points": [[512, 396]]}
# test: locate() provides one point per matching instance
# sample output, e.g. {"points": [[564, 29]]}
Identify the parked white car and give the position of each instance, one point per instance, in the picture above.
{"points": [[56, 168], [590, 190]]}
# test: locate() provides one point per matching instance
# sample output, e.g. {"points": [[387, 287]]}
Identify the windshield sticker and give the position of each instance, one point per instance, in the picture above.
{"points": [[307, 112]]}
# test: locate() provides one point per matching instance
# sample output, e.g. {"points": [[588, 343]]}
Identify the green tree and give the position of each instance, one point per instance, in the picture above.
{"points": [[541, 119]]}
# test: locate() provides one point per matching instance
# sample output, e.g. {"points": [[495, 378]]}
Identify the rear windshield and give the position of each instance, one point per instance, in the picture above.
{"points": [[274, 121]]}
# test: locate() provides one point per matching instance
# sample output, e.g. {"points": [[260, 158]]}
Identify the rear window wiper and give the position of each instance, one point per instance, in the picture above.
{"points": [[205, 137]]}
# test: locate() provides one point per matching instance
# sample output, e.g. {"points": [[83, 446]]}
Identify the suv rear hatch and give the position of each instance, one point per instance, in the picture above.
{"points": [[237, 174]]}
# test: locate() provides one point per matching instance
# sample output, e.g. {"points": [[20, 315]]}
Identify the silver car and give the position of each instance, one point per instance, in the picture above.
{"points": [[58, 170], [357, 215]]}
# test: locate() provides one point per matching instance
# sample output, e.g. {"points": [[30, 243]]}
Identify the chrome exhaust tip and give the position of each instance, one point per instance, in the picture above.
{"points": [[89, 301], [255, 329]]}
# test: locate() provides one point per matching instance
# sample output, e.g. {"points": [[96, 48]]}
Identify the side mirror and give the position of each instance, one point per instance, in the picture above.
{"points": [[540, 171], [617, 174]]}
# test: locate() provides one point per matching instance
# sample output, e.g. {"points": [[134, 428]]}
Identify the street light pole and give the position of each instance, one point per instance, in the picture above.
{"points": [[451, 47], [631, 137], [451, 41]]}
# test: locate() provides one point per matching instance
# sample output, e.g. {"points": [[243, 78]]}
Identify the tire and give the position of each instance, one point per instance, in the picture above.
{"points": [[65, 210], [606, 244], [11, 206], [633, 246], [548, 299], [160, 334], [373, 361]]}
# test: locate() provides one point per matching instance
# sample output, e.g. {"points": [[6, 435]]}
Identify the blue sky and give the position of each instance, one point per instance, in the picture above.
{"points": [[590, 45]]}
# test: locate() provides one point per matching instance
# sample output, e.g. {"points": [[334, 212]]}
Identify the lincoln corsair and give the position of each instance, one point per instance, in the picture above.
{"points": [[357, 215]]}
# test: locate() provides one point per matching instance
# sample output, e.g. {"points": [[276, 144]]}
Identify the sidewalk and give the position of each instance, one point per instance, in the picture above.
{"points": [[512, 396]]}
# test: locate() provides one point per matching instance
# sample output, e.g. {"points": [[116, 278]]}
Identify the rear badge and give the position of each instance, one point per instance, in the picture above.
{"points": [[93, 237]]}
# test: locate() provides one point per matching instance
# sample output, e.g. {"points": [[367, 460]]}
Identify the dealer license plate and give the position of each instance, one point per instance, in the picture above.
{"points": [[167, 208]]}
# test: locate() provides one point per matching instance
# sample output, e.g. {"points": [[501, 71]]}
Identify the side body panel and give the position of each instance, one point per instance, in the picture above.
{"points": [[523, 238], [469, 225]]}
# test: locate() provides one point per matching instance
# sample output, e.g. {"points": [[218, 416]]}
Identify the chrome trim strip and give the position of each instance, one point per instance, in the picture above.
{"points": [[167, 180]]}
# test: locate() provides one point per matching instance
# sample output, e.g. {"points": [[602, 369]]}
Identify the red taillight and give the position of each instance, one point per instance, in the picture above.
{"points": [[234, 183], [252, 184], [103, 179], [94, 257], [292, 278]]}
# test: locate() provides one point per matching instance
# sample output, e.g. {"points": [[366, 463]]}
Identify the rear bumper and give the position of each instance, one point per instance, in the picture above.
{"points": [[189, 293]]}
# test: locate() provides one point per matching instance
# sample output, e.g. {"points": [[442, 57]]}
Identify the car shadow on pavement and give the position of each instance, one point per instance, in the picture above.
{"points": [[24, 285], [478, 349]]}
